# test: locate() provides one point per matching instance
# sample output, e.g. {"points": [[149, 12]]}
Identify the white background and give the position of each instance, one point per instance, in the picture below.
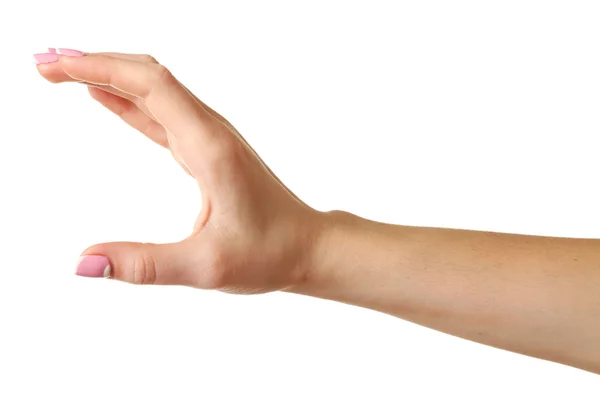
{"points": [[465, 114]]}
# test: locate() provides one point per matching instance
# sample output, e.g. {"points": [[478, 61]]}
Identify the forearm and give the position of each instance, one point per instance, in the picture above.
{"points": [[539, 296]]}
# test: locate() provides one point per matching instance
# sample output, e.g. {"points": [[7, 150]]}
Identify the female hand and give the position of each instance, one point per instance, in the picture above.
{"points": [[252, 235], [533, 295]]}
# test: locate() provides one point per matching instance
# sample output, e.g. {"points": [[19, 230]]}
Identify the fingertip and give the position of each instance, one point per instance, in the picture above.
{"points": [[66, 60], [45, 58], [42, 68], [94, 266], [51, 72]]}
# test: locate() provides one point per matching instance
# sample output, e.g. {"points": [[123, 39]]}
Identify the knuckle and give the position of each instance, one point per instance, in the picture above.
{"points": [[149, 59], [161, 73], [144, 268], [159, 76]]}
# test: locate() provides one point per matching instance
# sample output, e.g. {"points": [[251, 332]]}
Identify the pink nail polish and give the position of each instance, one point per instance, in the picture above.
{"points": [[94, 267], [52, 50], [45, 58], [70, 53]]}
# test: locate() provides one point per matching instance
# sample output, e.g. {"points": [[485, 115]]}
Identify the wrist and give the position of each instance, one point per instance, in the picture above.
{"points": [[361, 262], [330, 234]]}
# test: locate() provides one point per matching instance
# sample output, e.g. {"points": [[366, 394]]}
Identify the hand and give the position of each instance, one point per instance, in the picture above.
{"points": [[252, 235]]}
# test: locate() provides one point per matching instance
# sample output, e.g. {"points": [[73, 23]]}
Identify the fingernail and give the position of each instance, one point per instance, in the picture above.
{"points": [[45, 58], [52, 50], [94, 267], [70, 53]]}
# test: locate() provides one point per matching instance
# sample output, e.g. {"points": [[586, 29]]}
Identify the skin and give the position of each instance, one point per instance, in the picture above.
{"points": [[538, 296]]}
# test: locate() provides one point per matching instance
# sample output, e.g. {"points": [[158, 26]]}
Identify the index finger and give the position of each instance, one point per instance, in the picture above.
{"points": [[53, 72], [168, 101]]}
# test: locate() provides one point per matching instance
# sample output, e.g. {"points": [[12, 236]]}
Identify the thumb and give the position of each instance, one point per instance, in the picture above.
{"points": [[140, 263]]}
